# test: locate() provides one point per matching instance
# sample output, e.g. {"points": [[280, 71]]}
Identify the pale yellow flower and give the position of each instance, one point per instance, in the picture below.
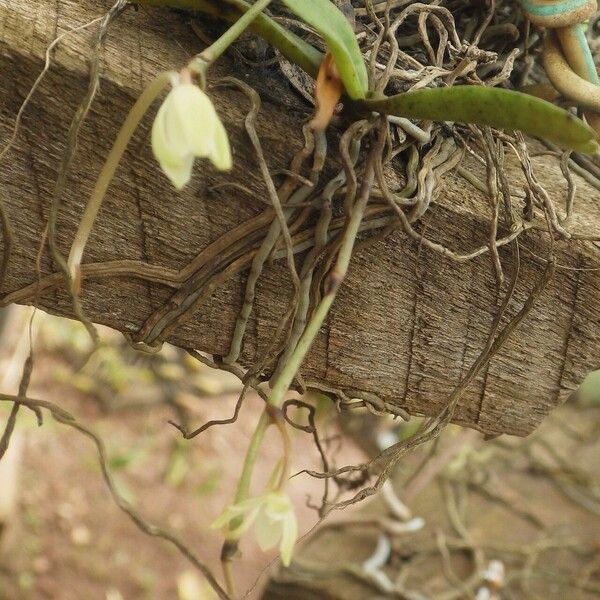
{"points": [[188, 126], [274, 520]]}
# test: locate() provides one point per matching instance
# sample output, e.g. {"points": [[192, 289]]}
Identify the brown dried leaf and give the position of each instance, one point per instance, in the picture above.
{"points": [[328, 92]]}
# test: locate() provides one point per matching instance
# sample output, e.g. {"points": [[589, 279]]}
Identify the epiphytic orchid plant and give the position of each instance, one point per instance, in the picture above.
{"points": [[499, 108], [187, 126]]}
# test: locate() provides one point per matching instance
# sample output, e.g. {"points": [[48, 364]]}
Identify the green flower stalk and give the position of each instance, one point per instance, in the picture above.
{"points": [[133, 119]]}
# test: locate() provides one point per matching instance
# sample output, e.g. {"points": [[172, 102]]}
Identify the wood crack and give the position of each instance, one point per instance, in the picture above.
{"points": [[142, 232], [418, 288], [568, 332]]}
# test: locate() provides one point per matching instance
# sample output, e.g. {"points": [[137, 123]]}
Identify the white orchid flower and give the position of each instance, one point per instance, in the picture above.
{"points": [[188, 126], [274, 522]]}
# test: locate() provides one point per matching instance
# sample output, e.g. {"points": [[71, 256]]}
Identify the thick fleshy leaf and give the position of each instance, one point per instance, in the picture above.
{"points": [[335, 29], [500, 108]]}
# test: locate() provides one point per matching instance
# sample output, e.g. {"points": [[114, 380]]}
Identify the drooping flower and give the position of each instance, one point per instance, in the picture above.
{"points": [[274, 520], [188, 126]]}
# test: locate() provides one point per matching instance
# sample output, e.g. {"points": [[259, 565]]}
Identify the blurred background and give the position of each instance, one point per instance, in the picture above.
{"points": [[464, 518]]}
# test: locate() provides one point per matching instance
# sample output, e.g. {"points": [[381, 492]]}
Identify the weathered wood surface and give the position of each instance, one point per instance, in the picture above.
{"points": [[407, 322]]}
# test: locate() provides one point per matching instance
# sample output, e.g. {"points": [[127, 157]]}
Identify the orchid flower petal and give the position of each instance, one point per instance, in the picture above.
{"points": [[187, 126], [288, 539], [221, 152], [268, 531], [179, 172], [197, 117]]}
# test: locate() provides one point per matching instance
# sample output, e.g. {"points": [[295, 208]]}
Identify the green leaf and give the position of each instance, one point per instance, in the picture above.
{"points": [[335, 29], [496, 107], [293, 47]]}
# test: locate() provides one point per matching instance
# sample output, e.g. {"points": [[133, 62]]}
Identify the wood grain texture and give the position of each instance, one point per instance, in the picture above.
{"points": [[407, 323]]}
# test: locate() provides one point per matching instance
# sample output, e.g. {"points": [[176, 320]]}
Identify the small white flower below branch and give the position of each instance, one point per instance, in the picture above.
{"points": [[188, 126], [274, 520]]}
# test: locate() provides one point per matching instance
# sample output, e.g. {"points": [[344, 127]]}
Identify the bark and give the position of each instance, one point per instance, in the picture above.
{"points": [[407, 322]]}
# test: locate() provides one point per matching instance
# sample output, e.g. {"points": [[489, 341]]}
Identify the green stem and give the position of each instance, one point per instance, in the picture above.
{"points": [[219, 46], [228, 575], [287, 374], [293, 47], [278, 392], [283, 382], [133, 119], [242, 492], [243, 487]]}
